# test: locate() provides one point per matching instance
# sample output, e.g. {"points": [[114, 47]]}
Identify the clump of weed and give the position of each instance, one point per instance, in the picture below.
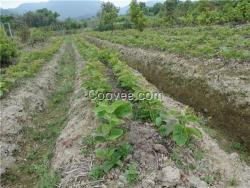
{"points": [[132, 174]]}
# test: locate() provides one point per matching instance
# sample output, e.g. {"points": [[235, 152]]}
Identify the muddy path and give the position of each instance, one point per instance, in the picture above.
{"points": [[18, 107], [220, 91]]}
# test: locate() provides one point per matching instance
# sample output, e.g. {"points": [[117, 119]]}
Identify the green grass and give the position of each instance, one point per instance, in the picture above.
{"points": [[226, 42], [30, 63], [32, 168]]}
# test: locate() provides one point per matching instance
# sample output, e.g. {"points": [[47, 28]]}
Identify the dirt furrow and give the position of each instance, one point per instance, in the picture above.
{"points": [[220, 91], [68, 160], [215, 160], [18, 107]]}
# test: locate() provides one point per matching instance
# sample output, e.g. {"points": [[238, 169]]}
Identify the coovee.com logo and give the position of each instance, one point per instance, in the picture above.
{"points": [[94, 95]]}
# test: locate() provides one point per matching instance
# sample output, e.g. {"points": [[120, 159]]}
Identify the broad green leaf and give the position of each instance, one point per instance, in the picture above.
{"points": [[108, 165], [170, 129], [104, 153], [115, 121], [194, 131], [158, 121], [180, 135], [115, 134], [100, 139], [122, 109], [105, 129]]}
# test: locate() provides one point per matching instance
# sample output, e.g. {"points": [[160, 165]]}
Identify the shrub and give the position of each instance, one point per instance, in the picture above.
{"points": [[37, 36], [8, 49], [24, 33]]}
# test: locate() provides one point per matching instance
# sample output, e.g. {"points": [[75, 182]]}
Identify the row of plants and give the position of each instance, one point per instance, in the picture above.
{"points": [[202, 41], [111, 115], [168, 122], [28, 65]]}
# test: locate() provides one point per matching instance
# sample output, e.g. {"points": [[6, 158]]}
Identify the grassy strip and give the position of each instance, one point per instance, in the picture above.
{"points": [[33, 167], [28, 66], [204, 42]]}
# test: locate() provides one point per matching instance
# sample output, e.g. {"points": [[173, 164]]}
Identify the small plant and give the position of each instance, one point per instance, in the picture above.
{"points": [[209, 179], [96, 81], [112, 156], [232, 181], [177, 125], [96, 172], [132, 174], [149, 110], [111, 116]]}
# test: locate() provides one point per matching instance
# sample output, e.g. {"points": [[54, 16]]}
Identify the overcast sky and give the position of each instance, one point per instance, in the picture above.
{"points": [[15, 3]]}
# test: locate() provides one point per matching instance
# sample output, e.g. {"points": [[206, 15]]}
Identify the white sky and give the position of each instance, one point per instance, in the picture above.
{"points": [[15, 3]]}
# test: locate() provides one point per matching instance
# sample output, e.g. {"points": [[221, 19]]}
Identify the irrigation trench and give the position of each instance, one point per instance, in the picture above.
{"points": [[220, 91], [69, 119]]}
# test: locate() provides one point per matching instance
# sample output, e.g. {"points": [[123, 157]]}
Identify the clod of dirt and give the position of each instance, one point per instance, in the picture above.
{"points": [[169, 176]]}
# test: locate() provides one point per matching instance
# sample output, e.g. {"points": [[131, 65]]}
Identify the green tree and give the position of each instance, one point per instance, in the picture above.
{"points": [[42, 17], [109, 14], [137, 15]]}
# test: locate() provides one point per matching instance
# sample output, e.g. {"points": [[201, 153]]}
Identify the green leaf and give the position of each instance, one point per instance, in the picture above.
{"points": [[116, 121], [170, 129], [158, 121], [100, 139], [105, 129], [115, 134], [108, 165], [104, 153], [180, 135], [121, 108], [194, 131]]}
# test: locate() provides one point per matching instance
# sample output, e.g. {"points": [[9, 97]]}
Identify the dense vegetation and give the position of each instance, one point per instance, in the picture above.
{"points": [[8, 49], [183, 13], [204, 41]]}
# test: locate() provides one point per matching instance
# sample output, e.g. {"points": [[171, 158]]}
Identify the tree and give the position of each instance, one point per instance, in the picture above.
{"points": [[109, 14], [170, 7], [137, 15], [156, 8], [42, 17]]}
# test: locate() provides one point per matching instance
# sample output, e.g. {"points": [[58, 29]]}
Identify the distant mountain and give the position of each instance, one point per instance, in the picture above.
{"points": [[73, 9], [150, 3]]}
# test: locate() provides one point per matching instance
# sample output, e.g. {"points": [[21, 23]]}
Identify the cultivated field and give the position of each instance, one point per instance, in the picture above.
{"points": [[157, 97]]}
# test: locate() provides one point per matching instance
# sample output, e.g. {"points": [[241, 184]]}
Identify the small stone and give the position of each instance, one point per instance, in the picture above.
{"points": [[196, 182], [160, 148], [122, 179], [169, 176], [128, 158], [120, 185], [148, 183]]}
